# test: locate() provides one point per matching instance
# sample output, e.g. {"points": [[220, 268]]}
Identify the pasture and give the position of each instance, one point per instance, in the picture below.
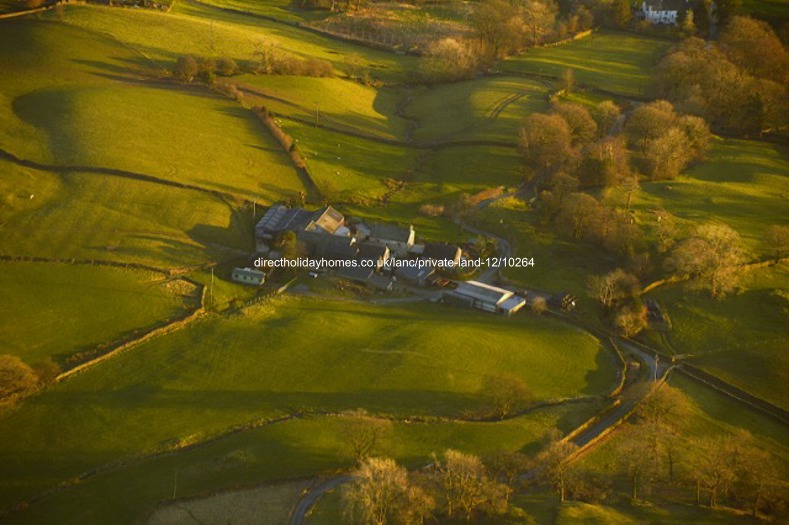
{"points": [[57, 310], [95, 216], [289, 355], [483, 109], [333, 102], [744, 184], [615, 62], [741, 338], [274, 452]]}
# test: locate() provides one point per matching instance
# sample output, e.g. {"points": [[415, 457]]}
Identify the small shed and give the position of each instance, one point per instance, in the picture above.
{"points": [[249, 276]]}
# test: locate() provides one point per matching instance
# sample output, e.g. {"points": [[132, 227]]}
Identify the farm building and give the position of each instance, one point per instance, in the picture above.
{"points": [[442, 252], [416, 275], [248, 276], [379, 255], [280, 218], [399, 240], [473, 294], [320, 245]]}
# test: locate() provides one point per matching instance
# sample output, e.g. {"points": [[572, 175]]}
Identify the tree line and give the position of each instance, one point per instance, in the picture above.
{"points": [[656, 457]]}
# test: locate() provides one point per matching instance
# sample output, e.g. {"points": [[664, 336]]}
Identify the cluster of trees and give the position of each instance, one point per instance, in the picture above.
{"points": [[711, 257], [738, 84], [456, 486], [656, 454], [18, 379], [619, 291], [572, 147], [205, 69], [268, 60]]}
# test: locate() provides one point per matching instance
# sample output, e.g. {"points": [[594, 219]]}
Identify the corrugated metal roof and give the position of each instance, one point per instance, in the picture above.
{"points": [[483, 292]]}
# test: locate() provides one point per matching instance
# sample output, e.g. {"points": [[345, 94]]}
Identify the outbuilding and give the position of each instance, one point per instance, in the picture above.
{"points": [[474, 294], [248, 276]]}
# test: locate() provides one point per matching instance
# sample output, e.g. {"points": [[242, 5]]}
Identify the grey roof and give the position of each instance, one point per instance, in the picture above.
{"points": [[328, 246], [390, 232], [513, 304], [441, 251], [483, 292], [356, 274], [280, 218], [372, 252], [415, 273]]}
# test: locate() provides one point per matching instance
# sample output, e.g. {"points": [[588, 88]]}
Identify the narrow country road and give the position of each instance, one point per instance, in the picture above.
{"points": [[309, 499]]}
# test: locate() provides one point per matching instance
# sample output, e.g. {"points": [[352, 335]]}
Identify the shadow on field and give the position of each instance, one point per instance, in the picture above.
{"points": [[602, 378]]}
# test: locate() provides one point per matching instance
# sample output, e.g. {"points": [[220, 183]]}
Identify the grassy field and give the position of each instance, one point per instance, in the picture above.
{"points": [[339, 103], [283, 10], [773, 10], [712, 414], [268, 505], [84, 118], [741, 339], [559, 264], [287, 450], [484, 109], [617, 62], [301, 355], [200, 29], [89, 216], [351, 166], [56, 310], [744, 184]]}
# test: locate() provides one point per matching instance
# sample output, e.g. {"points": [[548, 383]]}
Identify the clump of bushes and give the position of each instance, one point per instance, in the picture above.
{"points": [[267, 61]]}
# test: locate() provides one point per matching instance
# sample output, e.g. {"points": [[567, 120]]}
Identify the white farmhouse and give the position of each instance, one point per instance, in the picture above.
{"points": [[663, 11]]}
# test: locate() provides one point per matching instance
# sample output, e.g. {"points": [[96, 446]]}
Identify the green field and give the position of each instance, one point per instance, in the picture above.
{"points": [[740, 339], [56, 310], [332, 102], [278, 9], [711, 415], [271, 453], [616, 62], [773, 10], [484, 109], [90, 216], [744, 184], [84, 118], [327, 357]]}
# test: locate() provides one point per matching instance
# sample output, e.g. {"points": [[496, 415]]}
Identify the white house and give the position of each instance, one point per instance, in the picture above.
{"points": [[663, 11]]}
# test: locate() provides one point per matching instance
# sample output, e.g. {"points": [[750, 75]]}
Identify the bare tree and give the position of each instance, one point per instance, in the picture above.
{"points": [[546, 141], [554, 459], [380, 493], [634, 462], [466, 487], [577, 215], [362, 433], [614, 287], [712, 257]]}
